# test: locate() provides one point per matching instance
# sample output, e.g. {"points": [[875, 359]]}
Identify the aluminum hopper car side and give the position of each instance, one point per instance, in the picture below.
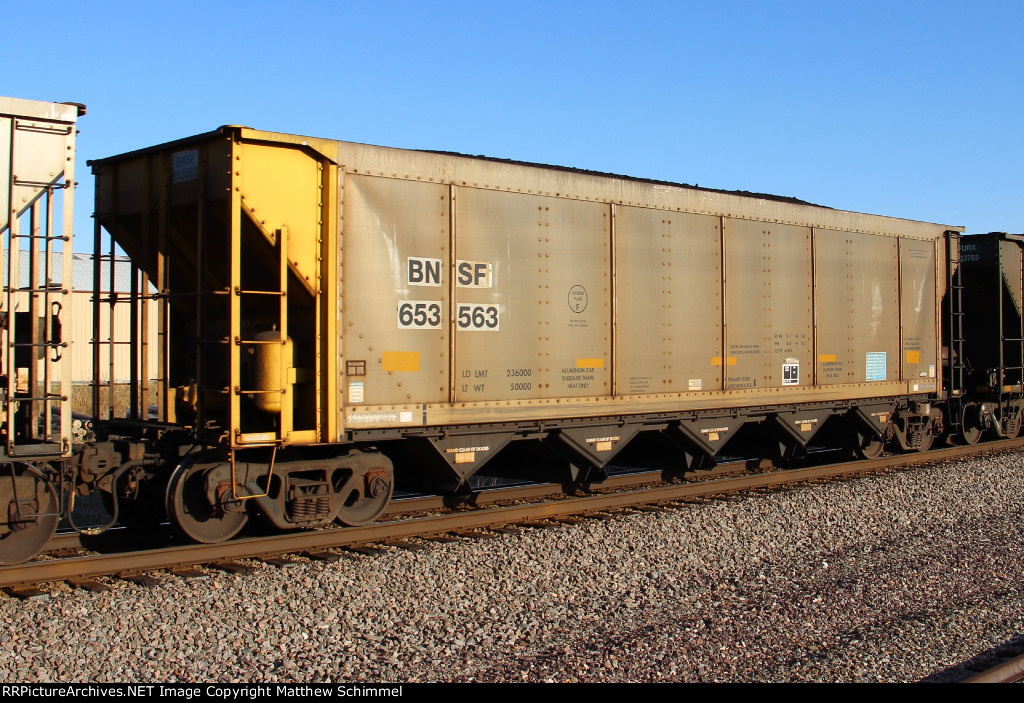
{"points": [[37, 175], [334, 317]]}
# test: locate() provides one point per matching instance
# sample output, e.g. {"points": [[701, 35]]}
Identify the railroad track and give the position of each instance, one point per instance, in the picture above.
{"points": [[496, 509], [1009, 671]]}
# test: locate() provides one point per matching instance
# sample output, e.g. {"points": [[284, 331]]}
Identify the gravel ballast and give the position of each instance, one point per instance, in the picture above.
{"points": [[899, 577]]}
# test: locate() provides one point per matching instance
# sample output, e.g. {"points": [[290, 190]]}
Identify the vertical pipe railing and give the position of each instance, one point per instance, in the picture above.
{"points": [[32, 431], [48, 316], [97, 247], [134, 389]]}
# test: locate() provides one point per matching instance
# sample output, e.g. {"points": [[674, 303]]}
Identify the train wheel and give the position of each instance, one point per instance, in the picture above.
{"points": [[970, 432], [968, 435], [869, 446], [29, 514], [924, 441], [200, 503], [365, 498]]}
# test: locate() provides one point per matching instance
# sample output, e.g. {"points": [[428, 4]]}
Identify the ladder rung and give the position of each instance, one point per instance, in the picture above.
{"points": [[43, 237], [51, 345], [52, 289], [280, 293], [128, 298], [37, 184]]}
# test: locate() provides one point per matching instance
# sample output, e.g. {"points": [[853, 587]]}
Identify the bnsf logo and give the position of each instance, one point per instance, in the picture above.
{"points": [[421, 271]]}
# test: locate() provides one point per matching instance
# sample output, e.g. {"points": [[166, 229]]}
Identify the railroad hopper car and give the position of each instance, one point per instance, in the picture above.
{"points": [[985, 336], [330, 314], [37, 172]]}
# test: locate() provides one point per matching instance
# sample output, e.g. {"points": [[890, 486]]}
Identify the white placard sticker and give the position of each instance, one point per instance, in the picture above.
{"points": [[423, 272], [477, 318], [355, 392], [874, 363], [791, 374], [473, 274], [419, 314]]}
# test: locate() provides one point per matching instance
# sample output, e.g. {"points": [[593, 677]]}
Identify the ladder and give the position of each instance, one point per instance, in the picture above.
{"points": [[955, 288], [38, 185]]}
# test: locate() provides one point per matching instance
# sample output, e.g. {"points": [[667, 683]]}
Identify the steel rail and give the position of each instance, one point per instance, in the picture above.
{"points": [[404, 506], [1008, 672], [78, 567]]}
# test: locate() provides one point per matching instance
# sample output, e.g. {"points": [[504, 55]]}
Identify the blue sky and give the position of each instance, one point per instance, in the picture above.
{"points": [[909, 109]]}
